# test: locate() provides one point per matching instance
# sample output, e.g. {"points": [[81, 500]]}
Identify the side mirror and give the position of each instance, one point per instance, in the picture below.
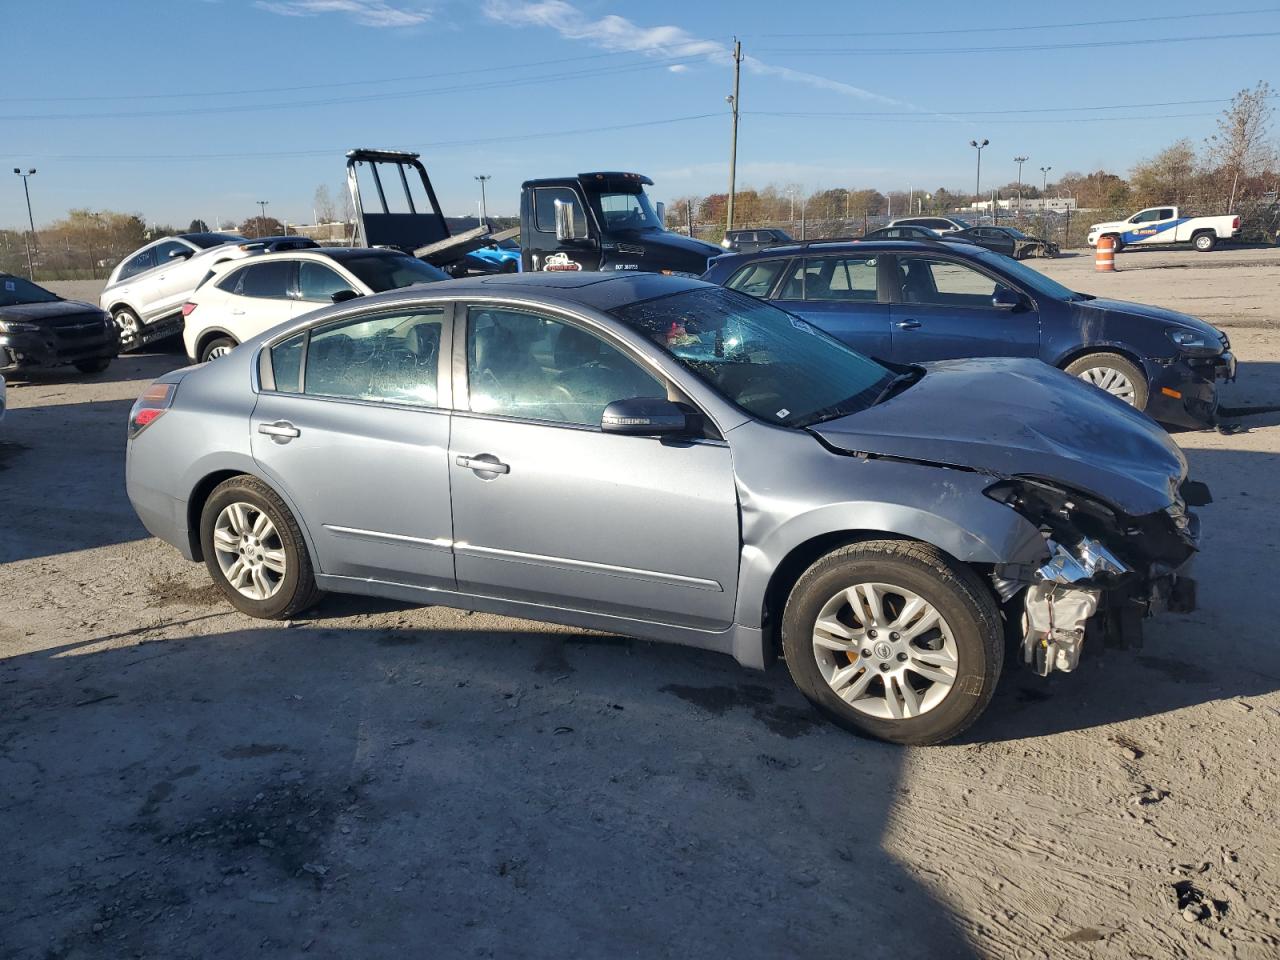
{"points": [[566, 225], [179, 254], [1005, 299], [661, 209], [644, 417], [342, 296]]}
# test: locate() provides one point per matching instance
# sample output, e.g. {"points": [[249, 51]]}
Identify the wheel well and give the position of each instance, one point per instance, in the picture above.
{"points": [[210, 335], [1075, 355], [121, 306], [1199, 230], [195, 506], [794, 564]]}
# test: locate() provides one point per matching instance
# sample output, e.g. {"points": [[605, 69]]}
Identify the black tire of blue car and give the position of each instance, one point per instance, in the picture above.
{"points": [[1122, 365], [964, 602], [216, 348], [130, 328], [298, 589], [96, 365]]}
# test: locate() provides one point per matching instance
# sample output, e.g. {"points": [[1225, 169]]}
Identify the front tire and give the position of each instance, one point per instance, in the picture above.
{"points": [[892, 639], [1204, 242], [218, 347], [130, 328], [1115, 374], [96, 365], [255, 550]]}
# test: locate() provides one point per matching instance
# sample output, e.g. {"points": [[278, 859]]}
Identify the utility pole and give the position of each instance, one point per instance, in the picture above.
{"points": [[31, 245], [1020, 161], [484, 210], [688, 215], [262, 220], [733, 149], [977, 183], [1044, 186]]}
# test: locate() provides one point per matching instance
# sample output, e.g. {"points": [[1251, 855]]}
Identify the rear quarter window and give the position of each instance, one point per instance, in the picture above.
{"points": [[758, 278]]}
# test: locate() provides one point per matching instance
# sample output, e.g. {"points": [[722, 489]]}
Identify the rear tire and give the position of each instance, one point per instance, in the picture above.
{"points": [[218, 347], [1204, 242], [1117, 375], [901, 676], [255, 551], [96, 365]]}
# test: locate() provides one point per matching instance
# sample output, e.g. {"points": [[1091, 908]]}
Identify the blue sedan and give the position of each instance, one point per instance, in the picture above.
{"points": [[913, 301]]}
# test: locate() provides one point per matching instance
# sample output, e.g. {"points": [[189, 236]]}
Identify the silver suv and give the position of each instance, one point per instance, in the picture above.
{"points": [[147, 289]]}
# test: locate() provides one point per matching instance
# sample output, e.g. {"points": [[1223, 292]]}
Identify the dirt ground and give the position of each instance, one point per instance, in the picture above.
{"points": [[379, 780]]}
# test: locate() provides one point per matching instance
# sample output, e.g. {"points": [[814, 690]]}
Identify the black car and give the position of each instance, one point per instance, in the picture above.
{"points": [[749, 241], [910, 302], [1010, 241], [908, 231], [38, 329]]}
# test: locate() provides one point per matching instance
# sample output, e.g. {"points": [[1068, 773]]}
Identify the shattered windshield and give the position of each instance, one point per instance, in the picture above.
{"points": [[15, 290], [775, 366]]}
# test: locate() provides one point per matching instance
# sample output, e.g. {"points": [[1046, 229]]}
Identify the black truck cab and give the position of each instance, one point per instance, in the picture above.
{"points": [[602, 221]]}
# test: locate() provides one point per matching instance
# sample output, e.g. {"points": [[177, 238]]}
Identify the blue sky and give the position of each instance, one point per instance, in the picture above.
{"points": [[252, 101]]}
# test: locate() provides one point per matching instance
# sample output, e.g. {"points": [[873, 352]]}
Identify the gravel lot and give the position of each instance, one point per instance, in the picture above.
{"points": [[379, 780]]}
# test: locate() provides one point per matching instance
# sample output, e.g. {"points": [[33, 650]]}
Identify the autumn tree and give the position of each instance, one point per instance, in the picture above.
{"points": [[262, 227], [1240, 148]]}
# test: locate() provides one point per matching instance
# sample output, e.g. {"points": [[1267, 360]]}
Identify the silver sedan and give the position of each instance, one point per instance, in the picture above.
{"points": [[660, 457]]}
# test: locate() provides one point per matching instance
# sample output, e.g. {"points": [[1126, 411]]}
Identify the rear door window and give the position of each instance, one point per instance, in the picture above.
{"points": [[840, 279], [138, 263], [268, 281], [393, 358]]}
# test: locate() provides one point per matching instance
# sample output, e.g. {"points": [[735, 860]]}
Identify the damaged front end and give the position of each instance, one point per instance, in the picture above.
{"points": [[1105, 573]]}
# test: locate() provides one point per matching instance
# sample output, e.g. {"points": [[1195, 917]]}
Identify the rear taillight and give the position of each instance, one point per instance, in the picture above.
{"points": [[188, 307], [154, 402], [1235, 224]]}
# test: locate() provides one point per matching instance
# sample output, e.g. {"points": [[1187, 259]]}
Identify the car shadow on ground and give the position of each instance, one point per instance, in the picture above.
{"points": [[361, 792]]}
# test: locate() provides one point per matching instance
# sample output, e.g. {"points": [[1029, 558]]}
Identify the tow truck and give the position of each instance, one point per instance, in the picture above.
{"points": [[592, 221]]}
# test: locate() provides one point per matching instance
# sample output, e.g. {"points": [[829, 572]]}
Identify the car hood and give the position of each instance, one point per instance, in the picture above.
{"points": [[1021, 418], [1149, 312], [38, 312]]}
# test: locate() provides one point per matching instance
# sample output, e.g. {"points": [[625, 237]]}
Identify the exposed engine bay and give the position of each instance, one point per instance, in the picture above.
{"points": [[1105, 573]]}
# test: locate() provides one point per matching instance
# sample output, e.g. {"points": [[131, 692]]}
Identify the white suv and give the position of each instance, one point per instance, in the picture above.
{"points": [[238, 301]]}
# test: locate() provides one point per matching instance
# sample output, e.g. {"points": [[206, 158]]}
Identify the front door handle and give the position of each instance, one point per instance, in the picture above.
{"points": [[282, 431], [908, 324], [482, 464]]}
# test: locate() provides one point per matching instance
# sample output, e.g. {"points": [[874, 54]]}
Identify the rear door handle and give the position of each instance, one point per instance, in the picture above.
{"points": [[908, 324], [483, 463], [282, 431]]}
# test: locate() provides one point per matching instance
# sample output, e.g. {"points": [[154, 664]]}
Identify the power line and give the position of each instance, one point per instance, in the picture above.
{"points": [[962, 118], [492, 68], [365, 98], [337, 151], [1038, 26], [1020, 48]]}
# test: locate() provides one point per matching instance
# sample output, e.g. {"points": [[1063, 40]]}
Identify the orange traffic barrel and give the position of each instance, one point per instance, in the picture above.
{"points": [[1104, 260]]}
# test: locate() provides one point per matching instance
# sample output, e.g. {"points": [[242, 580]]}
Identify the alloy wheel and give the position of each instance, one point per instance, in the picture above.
{"points": [[220, 351], [1110, 380], [885, 651], [249, 551]]}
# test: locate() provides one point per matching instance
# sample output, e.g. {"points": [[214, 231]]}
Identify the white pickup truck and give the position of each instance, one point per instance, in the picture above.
{"points": [[1159, 225]]}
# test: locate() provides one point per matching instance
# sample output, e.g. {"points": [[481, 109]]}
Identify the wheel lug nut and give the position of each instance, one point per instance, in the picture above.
{"points": [[884, 666], [871, 634], [895, 636], [902, 658], [866, 653]]}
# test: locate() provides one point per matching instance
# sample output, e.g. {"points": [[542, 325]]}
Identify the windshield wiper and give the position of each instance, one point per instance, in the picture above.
{"points": [[888, 390]]}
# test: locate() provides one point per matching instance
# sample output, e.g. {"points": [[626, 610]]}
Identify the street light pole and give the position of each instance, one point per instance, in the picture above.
{"points": [[484, 210], [1020, 161], [1044, 185], [977, 183], [31, 172], [262, 220]]}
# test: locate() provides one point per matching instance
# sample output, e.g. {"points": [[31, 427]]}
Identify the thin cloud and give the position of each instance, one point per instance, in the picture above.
{"points": [[369, 13], [613, 32]]}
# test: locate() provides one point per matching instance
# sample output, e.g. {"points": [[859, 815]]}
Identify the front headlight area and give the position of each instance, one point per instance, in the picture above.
{"points": [[1088, 585], [1193, 343]]}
